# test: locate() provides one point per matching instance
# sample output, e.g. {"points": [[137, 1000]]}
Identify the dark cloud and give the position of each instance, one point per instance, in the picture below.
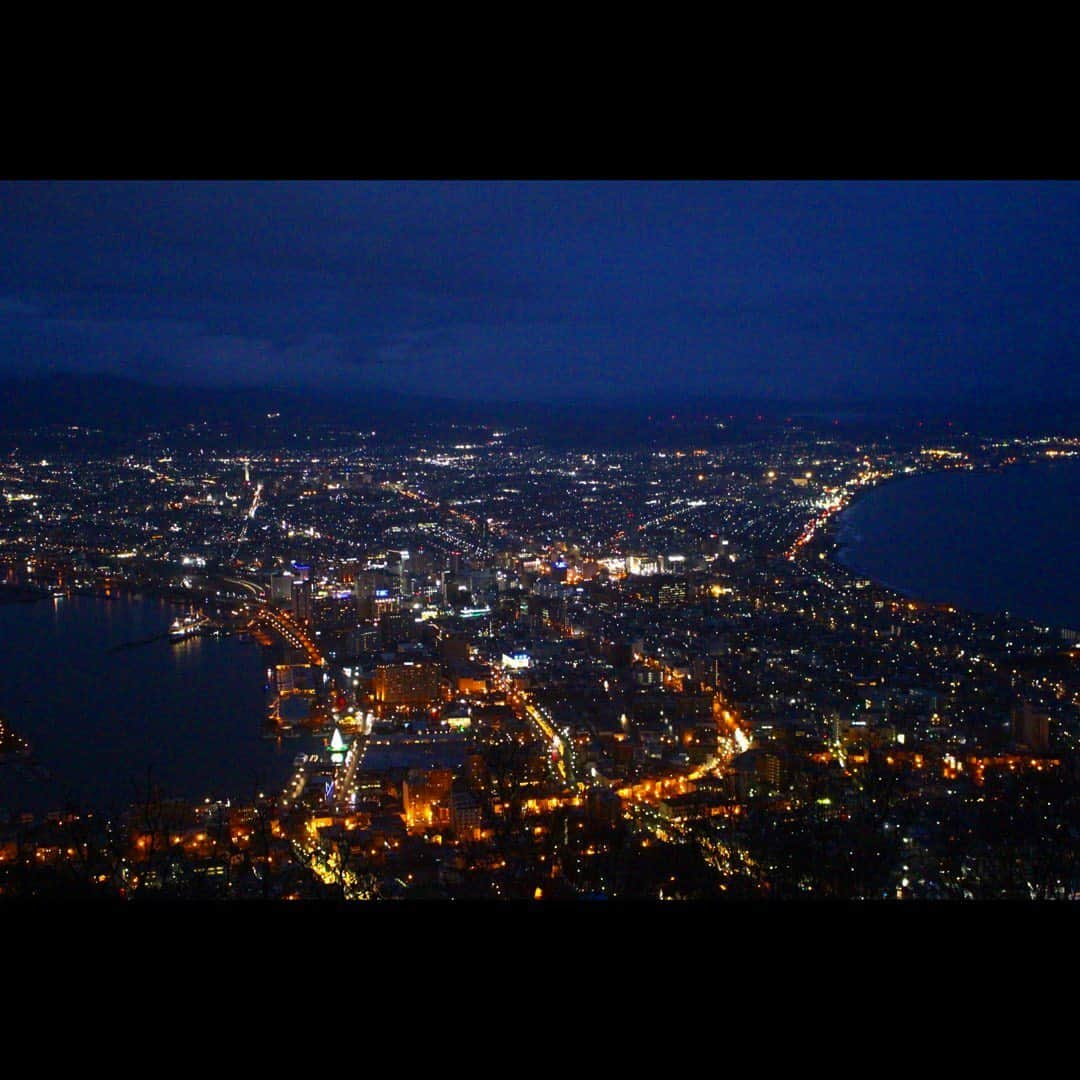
{"points": [[547, 290]]}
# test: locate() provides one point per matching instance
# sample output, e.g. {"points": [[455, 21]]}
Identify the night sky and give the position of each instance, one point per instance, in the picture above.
{"points": [[831, 291]]}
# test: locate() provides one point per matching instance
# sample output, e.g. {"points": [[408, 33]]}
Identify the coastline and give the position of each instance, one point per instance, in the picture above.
{"points": [[24, 593], [164, 742], [835, 544]]}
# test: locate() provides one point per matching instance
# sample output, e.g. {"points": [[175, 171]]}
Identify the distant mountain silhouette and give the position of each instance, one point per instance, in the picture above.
{"points": [[114, 402], [119, 406], [125, 405]]}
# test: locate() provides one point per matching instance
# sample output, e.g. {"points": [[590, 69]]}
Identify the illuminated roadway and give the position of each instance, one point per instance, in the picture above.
{"points": [[419, 496], [563, 759], [257, 590], [250, 514], [292, 632], [556, 740]]}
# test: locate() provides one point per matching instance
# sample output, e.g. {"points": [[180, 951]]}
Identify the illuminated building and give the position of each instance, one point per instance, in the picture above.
{"points": [[402, 570], [457, 715], [469, 678], [426, 798], [376, 593], [412, 682], [641, 565], [673, 593], [647, 676], [383, 603]]}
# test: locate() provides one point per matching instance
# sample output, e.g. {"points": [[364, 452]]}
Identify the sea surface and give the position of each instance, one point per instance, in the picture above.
{"points": [[105, 718], [984, 540]]}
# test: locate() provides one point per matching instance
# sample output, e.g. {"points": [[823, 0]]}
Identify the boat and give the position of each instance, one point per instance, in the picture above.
{"points": [[188, 625]]}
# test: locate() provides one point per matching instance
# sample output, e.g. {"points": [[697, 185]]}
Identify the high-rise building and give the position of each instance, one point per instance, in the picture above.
{"points": [[396, 627], [281, 586], [411, 682], [1031, 727], [465, 812], [673, 592], [400, 563], [301, 601], [376, 593]]}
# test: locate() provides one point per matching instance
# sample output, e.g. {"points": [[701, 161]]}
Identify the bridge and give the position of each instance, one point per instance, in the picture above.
{"points": [[256, 590], [291, 631]]}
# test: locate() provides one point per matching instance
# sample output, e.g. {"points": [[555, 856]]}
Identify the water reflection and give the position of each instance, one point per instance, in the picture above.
{"points": [[106, 698]]}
